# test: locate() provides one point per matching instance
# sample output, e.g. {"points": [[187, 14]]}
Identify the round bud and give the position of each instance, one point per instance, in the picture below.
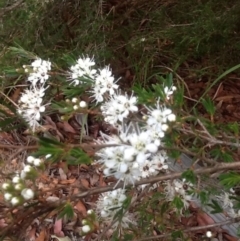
{"points": [[83, 104]]}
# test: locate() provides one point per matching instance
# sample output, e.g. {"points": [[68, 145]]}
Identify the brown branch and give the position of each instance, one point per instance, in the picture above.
{"points": [[188, 230], [165, 177]]}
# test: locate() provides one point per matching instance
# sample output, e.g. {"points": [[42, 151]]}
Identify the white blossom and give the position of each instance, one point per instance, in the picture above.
{"points": [[109, 204], [118, 107], [7, 196], [5, 186], [39, 72], [27, 193], [31, 107], [14, 201], [86, 228], [82, 69]]}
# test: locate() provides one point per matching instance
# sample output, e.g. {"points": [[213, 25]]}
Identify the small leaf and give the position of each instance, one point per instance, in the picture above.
{"points": [[67, 211], [209, 105], [178, 203], [230, 179], [215, 206], [189, 176]]}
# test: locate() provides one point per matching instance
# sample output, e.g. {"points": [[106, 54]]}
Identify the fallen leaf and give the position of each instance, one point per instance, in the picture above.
{"points": [[57, 228], [80, 207], [61, 238], [94, 179], [84, 182], [66, 127], [62, 174], [70, 181], [32, 234], [41, 236]]}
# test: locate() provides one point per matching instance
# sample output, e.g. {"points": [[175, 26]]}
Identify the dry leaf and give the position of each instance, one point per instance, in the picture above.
{"points": [[80, 207], [62, 174], [66, 127], [41, 236], [32, 234], [94, 179], [84, 183], [70, 181], [57, 228]]}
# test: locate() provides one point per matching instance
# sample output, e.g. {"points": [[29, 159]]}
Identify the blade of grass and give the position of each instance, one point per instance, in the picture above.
{"points": [[215, 82]]}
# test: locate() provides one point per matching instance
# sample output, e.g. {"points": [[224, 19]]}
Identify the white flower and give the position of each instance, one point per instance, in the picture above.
{"points": [[7, 196], [5, 185], [18, 186], [30, 159], [30, 105], [178, 188], [16, 179], [119, 107], [86, 228], [27, 168], [83, 104], [83, 68], [158, 118], [169, 91], [225, 198], [48, 156], [208, 234], [15, 201], [27, 193], [37, 162], [109, 204], [40, 71]]}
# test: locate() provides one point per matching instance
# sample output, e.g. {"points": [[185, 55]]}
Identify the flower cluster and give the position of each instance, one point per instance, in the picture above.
{"points": [[38, 72], [228, 201], [17, 191], [31, 101], [111, 203], [101, 80], [178, 188], [118, 107]]}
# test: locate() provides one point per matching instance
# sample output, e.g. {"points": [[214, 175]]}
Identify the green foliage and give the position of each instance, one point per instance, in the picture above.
{"points": [[230, 179], [209, 105], [204, 197], [178, 203], [189, 176], [77, 156], [52, 147], [177, 234], [215, 206], [67, 211]]}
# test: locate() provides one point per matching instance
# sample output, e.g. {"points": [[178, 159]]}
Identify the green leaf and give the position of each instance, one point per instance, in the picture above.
{"points": [[215, 82], [203, 197], [234, 127], [77, 156], [177, 234], [189, 176], [178, 203], [230, 179], [128, 237], [215, 206], [209, 105], [67, 211]]}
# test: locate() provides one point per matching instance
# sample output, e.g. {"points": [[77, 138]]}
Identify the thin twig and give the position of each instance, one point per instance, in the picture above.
{"points": [[188, 230], [10, 8], [219, 167]]}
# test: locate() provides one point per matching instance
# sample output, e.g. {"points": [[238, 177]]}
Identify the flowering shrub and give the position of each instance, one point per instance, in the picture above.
{"points": [[137, 150]]}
